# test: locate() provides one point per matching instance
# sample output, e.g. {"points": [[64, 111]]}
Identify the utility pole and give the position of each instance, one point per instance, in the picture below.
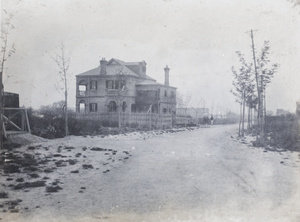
{"points": [[257, 83]]}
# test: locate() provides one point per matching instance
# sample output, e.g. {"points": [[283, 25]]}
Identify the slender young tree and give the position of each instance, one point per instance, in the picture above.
{"points": [[63, 64], [265, 74], [243, 85], [121, 86], [6, 52]]}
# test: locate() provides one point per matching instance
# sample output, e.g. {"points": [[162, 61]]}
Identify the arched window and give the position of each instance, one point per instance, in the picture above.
{"points": [[112, 106], [82, 87]]}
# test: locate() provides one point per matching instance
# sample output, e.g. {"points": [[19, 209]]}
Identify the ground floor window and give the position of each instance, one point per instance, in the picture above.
{"points": [[112, 106], [81, 108], [93, 107]]}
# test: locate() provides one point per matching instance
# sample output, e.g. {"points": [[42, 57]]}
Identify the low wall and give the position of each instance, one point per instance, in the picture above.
{"points": [[141, 119]]}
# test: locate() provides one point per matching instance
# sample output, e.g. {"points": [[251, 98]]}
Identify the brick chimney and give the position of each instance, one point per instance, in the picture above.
{"points": [[167, 76], [103, 63]]}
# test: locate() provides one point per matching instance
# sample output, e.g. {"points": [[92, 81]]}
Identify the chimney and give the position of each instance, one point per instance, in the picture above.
{"points": [[167, 76], [103, 63]]}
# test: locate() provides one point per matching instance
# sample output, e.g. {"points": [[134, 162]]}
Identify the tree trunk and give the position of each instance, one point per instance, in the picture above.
{"points": [[243, 116], [251, 118], [257, 83], [66, 114], [262, 122], [1, 112], [265, 106], [248, 125], [119, 111], [240, 119]]}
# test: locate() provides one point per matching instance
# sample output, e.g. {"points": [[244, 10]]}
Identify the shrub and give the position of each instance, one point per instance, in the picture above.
{"points": [[283, 132]]}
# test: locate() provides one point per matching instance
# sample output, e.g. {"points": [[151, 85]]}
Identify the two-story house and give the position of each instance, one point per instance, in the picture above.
{"points": [[116, 85]]}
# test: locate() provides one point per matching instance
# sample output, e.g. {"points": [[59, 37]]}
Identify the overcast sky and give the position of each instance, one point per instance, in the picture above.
{"points": [[196, 39]]}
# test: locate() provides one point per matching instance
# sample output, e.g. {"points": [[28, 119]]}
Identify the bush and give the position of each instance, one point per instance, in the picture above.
{"points": [[133, 125], [283, 132]]}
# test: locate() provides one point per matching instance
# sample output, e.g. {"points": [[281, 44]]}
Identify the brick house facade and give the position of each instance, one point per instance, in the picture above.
{"points": [[123, 86]]}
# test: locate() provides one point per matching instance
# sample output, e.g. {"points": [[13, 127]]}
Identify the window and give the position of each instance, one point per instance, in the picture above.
{"points": [[82, 106], [166, 93], [172, 94], [93, 84], [117, 84], [82, 90], [164, 110], [121, 84], [112, 106], [109, 84], [93, 107]]}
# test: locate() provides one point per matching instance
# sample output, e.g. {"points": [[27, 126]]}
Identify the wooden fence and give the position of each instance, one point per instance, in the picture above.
{"points": [[141, 119]]}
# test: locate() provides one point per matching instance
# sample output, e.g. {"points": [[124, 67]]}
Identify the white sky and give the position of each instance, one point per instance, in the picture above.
{"points": [[196, 39]]}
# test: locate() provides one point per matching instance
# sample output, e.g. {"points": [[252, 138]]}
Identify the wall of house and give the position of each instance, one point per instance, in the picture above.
{"points": [[101, 95], [165, 98]]}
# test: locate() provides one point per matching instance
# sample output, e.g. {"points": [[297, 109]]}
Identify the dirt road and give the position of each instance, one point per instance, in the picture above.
{"points": [[199, 175]]}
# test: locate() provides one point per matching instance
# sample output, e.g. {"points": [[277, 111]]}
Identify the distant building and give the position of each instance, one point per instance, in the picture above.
{"points": [[11, 100], [116, 86], [270, 113], [281, 112], [192, 112]]}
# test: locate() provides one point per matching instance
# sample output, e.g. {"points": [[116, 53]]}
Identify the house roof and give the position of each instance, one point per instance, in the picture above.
{"points": [[115, 66]]}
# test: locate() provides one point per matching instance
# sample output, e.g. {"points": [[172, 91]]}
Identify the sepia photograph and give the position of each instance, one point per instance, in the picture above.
{"points": [[150, 111]]}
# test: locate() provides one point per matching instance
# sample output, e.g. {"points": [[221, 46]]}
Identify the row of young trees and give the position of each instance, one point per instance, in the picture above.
{"points": [[250, 83]]}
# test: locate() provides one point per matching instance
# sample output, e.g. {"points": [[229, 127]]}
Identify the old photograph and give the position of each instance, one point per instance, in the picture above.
{"points": [[150, 111]]}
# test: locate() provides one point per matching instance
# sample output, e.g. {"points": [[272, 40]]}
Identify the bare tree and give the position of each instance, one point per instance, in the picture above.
{"points": [[6, 52], [264, 75], [63, 64], [243, 85], [121, 83]]}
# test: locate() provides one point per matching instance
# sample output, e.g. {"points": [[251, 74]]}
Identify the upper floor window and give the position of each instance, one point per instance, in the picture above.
{"points": [[82, 90], [115, 84], [173, 94], [93, 107], [109, 84], [93, 84]]}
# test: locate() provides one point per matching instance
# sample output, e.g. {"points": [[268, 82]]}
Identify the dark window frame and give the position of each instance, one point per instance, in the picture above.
{"points": [[93, 107], [93, 85]]}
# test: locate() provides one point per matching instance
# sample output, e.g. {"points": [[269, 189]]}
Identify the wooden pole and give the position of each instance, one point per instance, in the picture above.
{"points": [[257, 84], [27, 121], [1, 112]]}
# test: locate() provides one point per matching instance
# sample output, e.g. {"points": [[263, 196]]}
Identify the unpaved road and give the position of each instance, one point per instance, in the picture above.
{"points": [[199, 175]]}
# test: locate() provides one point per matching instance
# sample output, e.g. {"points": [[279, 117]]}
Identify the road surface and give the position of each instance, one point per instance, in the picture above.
{"points": [[199, 175]]}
